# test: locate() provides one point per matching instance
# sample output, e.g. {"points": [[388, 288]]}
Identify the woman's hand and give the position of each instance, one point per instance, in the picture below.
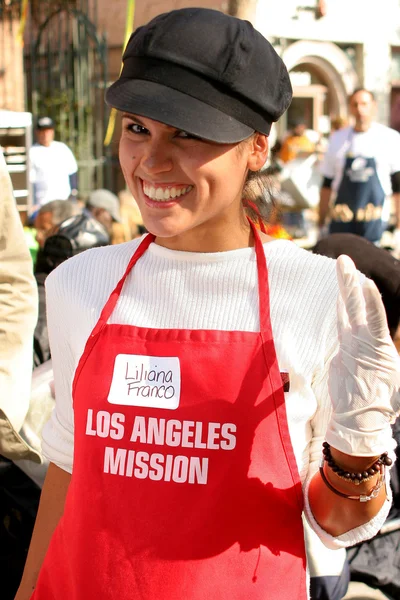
{"points": [[364, 377]]}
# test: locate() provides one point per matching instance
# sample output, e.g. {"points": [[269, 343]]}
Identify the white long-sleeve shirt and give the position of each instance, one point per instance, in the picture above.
{"points": [[174, 289]]}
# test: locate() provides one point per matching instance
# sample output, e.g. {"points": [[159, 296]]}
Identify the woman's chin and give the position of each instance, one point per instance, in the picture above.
{"points": [[165, 228]]}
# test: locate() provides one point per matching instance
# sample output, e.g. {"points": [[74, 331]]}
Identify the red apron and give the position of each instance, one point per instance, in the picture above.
{"points": [[184, 482]]}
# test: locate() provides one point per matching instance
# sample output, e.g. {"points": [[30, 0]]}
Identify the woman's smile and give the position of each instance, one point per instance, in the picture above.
{"points": [[163, 195]]}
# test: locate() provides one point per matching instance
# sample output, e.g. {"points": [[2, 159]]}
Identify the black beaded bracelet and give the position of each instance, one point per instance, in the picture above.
{"points": [[358, 477]]}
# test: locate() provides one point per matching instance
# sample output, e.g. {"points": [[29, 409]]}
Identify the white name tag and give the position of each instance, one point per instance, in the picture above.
{"points": [[149, 381]]}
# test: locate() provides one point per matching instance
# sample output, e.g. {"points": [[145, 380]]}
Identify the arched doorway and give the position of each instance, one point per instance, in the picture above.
{"points": [[322, 78]]}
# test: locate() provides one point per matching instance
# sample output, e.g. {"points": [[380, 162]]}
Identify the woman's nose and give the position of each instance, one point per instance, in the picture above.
{"points": [[157, 158]]}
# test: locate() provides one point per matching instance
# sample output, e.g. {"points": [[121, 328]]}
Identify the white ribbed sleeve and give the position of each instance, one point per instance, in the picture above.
{"points": [[172, 289]]}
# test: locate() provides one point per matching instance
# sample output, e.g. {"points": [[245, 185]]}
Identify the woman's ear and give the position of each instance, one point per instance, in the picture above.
{"points": [[258, 152]]}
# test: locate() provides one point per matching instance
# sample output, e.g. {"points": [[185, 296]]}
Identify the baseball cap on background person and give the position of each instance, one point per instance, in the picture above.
{"points": [[44, 123], [104, 206], [220, 87], [375, 263]]}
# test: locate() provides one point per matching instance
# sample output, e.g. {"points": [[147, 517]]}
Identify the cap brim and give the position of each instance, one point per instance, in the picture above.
{"points": [[171, 107]]}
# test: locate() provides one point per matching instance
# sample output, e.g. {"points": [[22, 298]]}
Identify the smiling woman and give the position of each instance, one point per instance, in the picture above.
{"points": [[180, 463]]}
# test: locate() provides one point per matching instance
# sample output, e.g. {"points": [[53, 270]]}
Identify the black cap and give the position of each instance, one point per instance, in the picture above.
{"points": [[203, 72], [45, 123]]}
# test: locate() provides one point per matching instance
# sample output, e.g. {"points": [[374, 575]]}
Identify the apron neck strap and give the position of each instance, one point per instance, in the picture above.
{"points": [[115, 294], [263, 286], [254, 206], [263, 291]]}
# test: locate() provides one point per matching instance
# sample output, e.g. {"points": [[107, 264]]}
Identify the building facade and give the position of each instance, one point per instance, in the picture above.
{"points": [[331, 47]]}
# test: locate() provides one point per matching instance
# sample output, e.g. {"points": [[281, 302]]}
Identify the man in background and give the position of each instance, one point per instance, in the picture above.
{"points": [[53, 168], [361, 172]]}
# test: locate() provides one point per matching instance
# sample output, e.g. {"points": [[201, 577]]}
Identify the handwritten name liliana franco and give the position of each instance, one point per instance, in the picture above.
{"points": [[145, 382]]}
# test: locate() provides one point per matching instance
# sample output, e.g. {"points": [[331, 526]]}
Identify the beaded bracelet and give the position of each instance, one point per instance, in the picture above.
{"points": [[358, 477]]}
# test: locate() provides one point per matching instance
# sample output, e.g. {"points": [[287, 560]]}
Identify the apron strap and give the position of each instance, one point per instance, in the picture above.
{"points": [[254, 206], [113, 299], [263, 285]]}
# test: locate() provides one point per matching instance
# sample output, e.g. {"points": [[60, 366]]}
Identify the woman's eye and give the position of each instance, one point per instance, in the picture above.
{"points": [[135, 128], [187, 136]]}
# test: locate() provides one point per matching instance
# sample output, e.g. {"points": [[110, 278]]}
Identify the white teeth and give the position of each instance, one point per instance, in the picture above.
{"points": [[164, 194]]}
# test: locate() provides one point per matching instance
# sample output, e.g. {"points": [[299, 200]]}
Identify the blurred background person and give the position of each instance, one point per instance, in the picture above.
{"points": [[322, 144], [361, 171], [52, 214], [338, 123], [18, 312], [103, 205], [53, 168], [70, 238], [131, 225], [297, 144]]}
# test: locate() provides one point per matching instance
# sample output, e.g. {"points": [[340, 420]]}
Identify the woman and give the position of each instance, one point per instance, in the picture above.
{"points": [[188, 458]]}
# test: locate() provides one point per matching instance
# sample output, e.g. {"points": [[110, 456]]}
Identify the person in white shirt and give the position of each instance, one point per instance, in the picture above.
{"points": [[53, 168], [18, 315], [361, 171], [199, 375]]}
